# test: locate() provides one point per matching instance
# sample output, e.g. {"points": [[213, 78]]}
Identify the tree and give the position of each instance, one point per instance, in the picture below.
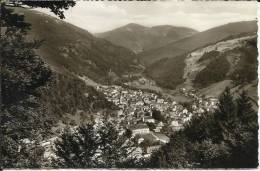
{"points": [[23, 74], [76, 150], [245, 150], [92, 146], [245, 111], [226, 116], [156, 114], [226, 138], [151, 126], [128, 133], [173, 154], [57, 7]]}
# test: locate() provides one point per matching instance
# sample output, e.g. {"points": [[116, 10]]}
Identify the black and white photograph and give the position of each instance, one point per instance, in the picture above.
{"points": [[162, 84]]}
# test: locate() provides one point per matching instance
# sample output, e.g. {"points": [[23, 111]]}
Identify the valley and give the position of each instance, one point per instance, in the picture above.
{"points": [[152, 86]]}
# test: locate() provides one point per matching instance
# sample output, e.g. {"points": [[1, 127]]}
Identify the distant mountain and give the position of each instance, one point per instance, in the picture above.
{"points": [[139, 38], [198, 40], [69, 49]]}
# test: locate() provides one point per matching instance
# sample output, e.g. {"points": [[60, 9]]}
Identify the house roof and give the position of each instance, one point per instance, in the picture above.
{"points": [[161, 136], [150, 138]]}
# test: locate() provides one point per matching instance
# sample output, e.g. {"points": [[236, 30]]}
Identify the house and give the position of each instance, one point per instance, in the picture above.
{"points": [[159, 127], [148, 119], [160, 100], [161, 137], [140, 140], [176, 125], [185, 111], [152, 149], [140, 129]]}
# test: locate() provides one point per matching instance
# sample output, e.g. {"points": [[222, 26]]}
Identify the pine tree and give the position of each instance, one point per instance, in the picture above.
{"points": [[78, 149], [245, 151], [92, 146], [245, 111], [225, 115], [227, 138], [23, 73]]}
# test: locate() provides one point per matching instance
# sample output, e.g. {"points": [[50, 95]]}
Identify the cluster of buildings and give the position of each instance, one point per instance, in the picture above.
{"points": [[200, 104], [136, 114], [136, 108]]}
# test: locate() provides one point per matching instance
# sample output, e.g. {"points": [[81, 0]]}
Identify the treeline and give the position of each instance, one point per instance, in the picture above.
{"points": [[227, 138]]}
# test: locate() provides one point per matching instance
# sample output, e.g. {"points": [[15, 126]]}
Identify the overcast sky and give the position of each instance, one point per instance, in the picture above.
{"points": [[103, 16]]}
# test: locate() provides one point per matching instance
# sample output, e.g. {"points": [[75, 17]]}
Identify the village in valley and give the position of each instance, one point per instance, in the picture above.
{"points": [[147, 118], [150, 118]]}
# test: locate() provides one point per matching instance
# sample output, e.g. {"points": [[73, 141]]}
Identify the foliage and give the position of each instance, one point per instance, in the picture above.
{"points": [[226, 138], [21, 155], [246, 70], [92, 146], [68, 94], [23, 73], [215, 71], [156, 114], [57, 7], [151, 126], [165, 74], [209, 55]]}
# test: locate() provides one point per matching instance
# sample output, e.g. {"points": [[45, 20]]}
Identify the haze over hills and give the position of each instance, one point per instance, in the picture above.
{"points": [[198, 40], [139, 38], [69, 49]]}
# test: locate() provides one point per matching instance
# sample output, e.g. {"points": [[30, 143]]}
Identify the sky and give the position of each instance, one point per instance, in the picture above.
{"points": [[98, 16]]}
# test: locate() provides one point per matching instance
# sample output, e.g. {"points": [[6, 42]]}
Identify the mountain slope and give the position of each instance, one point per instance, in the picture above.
{"points": [[69, 49], [139, 38], [232, 59], [198, 40]]}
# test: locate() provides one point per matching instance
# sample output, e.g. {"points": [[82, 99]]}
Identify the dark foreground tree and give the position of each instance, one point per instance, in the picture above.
{"points": [[93, 146], [227, 138], [23, 73], [57, 7]]}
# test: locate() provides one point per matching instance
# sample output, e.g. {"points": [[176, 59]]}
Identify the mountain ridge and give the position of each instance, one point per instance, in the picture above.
{"points": [[198, 40], [140, 38]]}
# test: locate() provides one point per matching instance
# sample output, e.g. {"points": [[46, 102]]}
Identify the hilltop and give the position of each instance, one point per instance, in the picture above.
{"points": [[139, 38], [198, 40]]}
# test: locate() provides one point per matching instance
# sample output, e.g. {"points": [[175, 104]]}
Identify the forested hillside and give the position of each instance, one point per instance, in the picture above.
{"points": [[69, 49], [35, 97], [197, 41], [237, 61]]}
